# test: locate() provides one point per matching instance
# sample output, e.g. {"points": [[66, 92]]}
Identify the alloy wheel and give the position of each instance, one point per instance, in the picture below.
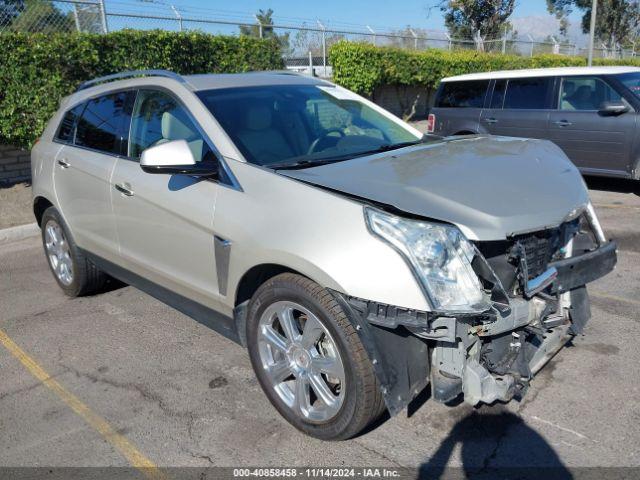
{"points": [[301, 361], [58, 252]]}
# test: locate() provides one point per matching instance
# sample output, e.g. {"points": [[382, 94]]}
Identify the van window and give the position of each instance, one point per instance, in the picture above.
{"points": [[497, 99], [631, 81], [469, 94], [527, 93], [104, 123], [67, 129], [586, 93]]}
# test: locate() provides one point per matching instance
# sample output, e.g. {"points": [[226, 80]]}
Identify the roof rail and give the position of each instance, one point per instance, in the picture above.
{"points": [[131, 74]]}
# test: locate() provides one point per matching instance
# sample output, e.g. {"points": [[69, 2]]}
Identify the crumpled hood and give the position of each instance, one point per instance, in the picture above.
{"points": [[490, 187]]}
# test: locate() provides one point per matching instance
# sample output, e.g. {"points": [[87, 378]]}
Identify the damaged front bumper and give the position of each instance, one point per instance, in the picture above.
{"points": [[486, 357]]}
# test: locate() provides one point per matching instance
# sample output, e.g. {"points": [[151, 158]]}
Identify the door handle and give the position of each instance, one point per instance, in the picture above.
{"points": [[491, 120], [562, 123], [63, 163], [124, 188]]}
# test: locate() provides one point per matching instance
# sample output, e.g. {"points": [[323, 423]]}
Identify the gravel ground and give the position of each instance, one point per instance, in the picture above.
{"points": [[15, 205]]}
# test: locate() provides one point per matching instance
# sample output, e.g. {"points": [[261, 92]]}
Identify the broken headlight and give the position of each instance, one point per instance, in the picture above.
{"points": [[440, 257]]}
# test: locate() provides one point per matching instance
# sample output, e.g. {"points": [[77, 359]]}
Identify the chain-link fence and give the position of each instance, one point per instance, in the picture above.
{"points": [[305, 44]]}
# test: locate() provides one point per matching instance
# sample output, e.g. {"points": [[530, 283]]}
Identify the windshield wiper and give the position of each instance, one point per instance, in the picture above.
{"points": [[307, 163], [394, 146]]}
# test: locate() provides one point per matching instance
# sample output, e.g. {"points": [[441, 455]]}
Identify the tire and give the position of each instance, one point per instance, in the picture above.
{"points": [[351, 386], [83, 278]]}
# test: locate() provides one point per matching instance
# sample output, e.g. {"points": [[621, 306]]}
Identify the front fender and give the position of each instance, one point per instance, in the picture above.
{"points": [[320, 234]]}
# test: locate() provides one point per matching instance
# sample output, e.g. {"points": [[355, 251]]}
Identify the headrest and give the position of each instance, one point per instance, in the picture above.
{"points": [[174, 128], [258, 117]]}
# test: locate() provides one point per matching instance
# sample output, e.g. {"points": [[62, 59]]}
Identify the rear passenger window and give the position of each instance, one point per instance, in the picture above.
{"points": [[104, 123], [462, 94], [527, 93], [67, 128]]}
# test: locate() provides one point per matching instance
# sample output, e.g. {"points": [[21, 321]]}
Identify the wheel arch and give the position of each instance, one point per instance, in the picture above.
{"points": [[256, 276], [465, 132], [40, 204]]}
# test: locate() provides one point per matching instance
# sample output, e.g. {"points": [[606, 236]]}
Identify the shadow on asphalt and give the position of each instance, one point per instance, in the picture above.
{"points": [[495, 445], [619, 185]]}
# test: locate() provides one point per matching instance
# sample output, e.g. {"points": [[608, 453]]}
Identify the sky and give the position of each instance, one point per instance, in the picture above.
{"points": [[530, 16]]}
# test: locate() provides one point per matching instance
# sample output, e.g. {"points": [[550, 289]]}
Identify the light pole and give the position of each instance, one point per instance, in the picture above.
{"points": [[592, 30]]}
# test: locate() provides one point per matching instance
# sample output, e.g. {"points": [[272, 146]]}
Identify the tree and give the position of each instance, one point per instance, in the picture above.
{"points": [[306, 41], [265, 23], [617, 21], [9, 11], [477, 18], [39, 16]]}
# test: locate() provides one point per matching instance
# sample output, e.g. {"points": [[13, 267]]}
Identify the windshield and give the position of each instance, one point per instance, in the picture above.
{"points": [[631, 81], [281, 126]]}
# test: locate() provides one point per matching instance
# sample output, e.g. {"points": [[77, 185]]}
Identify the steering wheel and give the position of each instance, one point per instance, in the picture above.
{"points": [[317, 141]]}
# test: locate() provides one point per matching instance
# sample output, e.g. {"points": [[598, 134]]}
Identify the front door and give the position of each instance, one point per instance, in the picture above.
{"points": [[519, 107], [165, 222], [594, 142]]}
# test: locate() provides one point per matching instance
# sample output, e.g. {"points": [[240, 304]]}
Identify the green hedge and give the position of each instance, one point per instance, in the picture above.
{"points": [[37, 70], [362, 67]]}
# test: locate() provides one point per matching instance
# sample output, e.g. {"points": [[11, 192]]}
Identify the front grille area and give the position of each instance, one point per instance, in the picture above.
{"points": [[539, 248]]}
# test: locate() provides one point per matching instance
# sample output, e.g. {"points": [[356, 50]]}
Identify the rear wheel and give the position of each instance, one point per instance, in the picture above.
{"points": [[75, 274], [309, 359]]}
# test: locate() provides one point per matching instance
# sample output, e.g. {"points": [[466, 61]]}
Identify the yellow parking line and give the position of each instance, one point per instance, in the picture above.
{"points": [[614, 297], [124, 446]]}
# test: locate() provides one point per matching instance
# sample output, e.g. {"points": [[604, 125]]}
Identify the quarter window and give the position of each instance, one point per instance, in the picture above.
{"points": [[158, 118], [527, 93], [462, 94], [67, 128], [103, 124], [586, 93]]}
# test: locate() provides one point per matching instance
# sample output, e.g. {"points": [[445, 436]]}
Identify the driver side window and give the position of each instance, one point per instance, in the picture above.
{"points": [[586, 93], [159, 118]]}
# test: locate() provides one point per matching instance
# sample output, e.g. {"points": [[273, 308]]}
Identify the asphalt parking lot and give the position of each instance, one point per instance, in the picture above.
{"points": [[119, 377]]}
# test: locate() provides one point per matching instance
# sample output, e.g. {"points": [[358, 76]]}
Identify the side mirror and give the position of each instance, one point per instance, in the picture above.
{"points": [[609, 109], [175, 157]]}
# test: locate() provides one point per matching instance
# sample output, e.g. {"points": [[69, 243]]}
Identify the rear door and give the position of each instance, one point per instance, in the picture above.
{"points": [[165, 222], [458, 105], [594, 142], [92, 134], [519, 107]]}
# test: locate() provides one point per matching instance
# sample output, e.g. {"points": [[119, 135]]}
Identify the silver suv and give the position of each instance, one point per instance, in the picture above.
{"points": [[357, 260]]}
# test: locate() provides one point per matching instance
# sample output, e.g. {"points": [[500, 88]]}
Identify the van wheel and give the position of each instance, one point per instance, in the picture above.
{"points": [[309, 359], [75, 274]]}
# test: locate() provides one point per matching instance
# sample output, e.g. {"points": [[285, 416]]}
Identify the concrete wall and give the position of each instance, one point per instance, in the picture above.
{"points": [[15, 164]]}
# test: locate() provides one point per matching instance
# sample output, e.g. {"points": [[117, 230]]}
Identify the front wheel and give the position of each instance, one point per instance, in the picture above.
{"points": [[76, 275], [309, 359]]}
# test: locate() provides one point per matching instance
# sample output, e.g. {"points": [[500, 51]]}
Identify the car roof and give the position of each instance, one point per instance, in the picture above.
{"points": [[543, 72]]}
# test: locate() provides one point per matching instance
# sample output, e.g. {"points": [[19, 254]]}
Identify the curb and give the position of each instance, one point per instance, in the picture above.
{"points": [[13, 234]]}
